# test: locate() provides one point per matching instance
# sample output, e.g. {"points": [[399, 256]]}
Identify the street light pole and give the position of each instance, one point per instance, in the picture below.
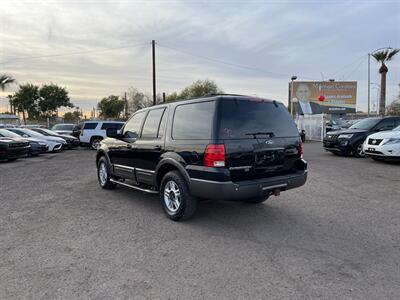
{"points": [[291, 95], [369, 82]]}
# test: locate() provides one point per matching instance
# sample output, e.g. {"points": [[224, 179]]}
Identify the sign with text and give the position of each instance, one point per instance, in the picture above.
{"points": [[315, 97]]}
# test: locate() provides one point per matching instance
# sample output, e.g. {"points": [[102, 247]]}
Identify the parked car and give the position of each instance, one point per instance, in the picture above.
{"points": [[72, 142], [336, 124], [70, 129], [350, 141], [11, 149], [93, 132], [226, 147], [37, 146], [54, 143], [383, 145]]}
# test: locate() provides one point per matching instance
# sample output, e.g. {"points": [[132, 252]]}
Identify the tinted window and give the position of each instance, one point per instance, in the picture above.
{"points": [[193, 121], [90, 125], [387, 124], [162, 124], [366, 124], [240, 118], [106, 126], [132, 128], [63, 127], [150, 127]]}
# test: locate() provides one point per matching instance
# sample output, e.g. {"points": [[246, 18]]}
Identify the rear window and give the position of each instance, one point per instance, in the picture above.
{"points": [[240, 119], [106, 126], [90, 125], [193, 121]]}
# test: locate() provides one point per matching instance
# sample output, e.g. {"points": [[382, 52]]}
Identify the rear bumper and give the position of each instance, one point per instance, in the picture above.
{"points": [[237, 191]]}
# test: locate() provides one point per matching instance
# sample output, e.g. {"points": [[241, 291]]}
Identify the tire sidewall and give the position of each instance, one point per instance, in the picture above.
{"points": [[355, 151], [187, 205], [108, 184], [92, 142]]}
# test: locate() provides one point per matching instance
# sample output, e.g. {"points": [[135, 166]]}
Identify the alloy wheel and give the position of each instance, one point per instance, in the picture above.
{"points": [[172, 196]]}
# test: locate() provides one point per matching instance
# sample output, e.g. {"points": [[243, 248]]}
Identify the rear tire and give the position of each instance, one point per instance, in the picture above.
{"points": [[104, 174], [95, 142], [176, 200]]}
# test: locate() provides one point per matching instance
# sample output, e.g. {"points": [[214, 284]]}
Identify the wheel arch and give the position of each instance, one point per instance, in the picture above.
{"points": [[166, 165]]}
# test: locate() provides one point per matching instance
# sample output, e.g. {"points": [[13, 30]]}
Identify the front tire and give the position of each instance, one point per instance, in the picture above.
{"points": [[176, 200], [358, 150], [104, 174]]}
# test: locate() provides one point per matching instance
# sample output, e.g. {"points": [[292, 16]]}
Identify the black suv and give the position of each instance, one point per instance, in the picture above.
{"points": [[227, 147], [350, 141]]}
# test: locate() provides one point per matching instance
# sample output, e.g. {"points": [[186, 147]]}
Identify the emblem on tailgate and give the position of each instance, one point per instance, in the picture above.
{"points": [[269, 142]]}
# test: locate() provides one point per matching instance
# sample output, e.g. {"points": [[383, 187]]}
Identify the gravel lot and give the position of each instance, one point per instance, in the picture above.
{"points": [[62, 237]]}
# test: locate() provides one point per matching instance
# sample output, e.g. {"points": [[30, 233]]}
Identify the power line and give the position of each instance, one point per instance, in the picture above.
{"points": [[230, 63], [354, 70], [73, 53], [357, 60]]}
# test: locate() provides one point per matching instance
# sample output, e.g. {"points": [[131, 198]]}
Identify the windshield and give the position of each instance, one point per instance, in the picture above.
{"points": [[242, 119], [365, 124], [32, 133], [6, 133], [63, 127]]}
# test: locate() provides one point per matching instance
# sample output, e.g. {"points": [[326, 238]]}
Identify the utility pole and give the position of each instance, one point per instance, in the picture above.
{"points": [[126, 107], [153, 46]]}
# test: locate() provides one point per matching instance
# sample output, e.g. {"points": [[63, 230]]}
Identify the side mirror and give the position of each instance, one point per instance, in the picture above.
{"points": [[113, 133]]}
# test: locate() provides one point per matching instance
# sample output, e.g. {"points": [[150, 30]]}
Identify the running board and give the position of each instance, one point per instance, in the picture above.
{"points": [[134, 187]]}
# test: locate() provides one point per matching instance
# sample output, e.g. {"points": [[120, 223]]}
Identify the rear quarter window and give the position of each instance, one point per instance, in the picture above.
{"points": [[90, 125], [238, 119], [193, 121]]}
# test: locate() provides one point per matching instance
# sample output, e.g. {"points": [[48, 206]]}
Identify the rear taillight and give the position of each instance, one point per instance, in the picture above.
{"points": [[214, 156], [301, 149]]}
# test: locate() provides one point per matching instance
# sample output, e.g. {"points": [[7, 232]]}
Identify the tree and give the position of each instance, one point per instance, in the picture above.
{"points": [[5, 80], [111, 107], [137, 100], [199, 88], [25, 100], [393, 108], [383, 57], [11, 101], [72, 117], [52, 97]]}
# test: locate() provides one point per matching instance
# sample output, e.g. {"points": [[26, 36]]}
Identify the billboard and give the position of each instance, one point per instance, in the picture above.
{"points": [[315, 97]]}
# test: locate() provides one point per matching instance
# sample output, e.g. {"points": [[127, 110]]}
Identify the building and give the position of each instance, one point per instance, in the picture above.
{"points": [[9, 119]]}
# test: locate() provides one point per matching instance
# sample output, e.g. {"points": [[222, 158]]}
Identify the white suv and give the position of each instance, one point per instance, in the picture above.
{"points": [[94, 131]]}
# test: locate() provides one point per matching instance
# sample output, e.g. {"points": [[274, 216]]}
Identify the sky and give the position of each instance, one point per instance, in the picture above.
{"points": [[98, 48]]}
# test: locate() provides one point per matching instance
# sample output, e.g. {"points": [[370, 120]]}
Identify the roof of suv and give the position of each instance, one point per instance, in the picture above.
{"points": [[101, 121]]}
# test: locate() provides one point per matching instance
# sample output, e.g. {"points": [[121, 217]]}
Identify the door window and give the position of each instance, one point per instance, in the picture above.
{"points": [[106, 126], [152, 123], [132, 128], [386, 124]]}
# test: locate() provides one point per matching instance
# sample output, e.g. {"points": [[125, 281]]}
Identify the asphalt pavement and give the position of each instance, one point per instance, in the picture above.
{"points": [[63, 237]]}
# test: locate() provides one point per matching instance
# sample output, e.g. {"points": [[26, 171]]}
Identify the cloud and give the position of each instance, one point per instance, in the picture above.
{"points": [[309, 39]]}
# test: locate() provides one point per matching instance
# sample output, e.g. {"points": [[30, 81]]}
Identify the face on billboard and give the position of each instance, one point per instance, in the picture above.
{"points": [[303, 92]]}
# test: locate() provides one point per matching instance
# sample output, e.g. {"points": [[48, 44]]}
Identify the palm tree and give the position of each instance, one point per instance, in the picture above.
{"points": [[5, 80], [383, 57]]}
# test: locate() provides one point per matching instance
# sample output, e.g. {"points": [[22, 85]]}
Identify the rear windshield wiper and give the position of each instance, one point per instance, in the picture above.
{"points": [[255, 134]]}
